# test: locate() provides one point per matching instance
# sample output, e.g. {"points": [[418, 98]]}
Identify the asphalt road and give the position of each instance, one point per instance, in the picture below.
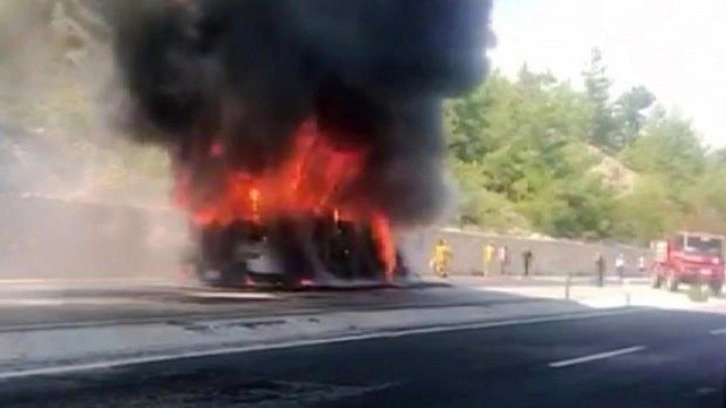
{"points": [[655, 359], [34, 306]]}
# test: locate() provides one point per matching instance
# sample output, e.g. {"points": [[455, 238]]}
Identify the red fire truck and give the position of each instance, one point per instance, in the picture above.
{"points": [[688, 257]]}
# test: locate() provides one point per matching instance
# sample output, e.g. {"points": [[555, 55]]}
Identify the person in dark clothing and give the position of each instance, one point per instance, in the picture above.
{"points": [[600, 269], [527, 260]]}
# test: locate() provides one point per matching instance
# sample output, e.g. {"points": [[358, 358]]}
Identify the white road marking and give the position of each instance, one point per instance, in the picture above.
{"points": [[232, 295], [161, 357], [22, 281], [44, 302], [71, 281], [598, 356], [717, 332]]}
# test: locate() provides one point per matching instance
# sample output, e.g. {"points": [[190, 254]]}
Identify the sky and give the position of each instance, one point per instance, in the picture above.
{"points": [[677, 49]]}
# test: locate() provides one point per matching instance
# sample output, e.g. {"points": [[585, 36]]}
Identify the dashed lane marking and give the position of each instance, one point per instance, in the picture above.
{"points": [[598, 356]]}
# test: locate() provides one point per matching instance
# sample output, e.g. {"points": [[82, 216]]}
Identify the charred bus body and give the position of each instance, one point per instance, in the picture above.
{"points": [[248, 254]]}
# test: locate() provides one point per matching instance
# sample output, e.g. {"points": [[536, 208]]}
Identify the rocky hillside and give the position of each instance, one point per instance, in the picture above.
{"points": [[55, 66], [614, 173]]}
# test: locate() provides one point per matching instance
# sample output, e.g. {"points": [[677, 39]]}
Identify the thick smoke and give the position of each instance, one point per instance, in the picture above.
{"points": [[248, 72]]}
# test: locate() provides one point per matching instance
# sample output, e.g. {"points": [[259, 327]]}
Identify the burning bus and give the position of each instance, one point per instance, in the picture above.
{"points": [[245, 254], [293, 218], [304, 134]]}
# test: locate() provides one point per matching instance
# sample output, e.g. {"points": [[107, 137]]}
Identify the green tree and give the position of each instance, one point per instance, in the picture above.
{"points": [[671, 148], [629, 112], [598, 85], [518, 144], [648, 212], [707, 196]]}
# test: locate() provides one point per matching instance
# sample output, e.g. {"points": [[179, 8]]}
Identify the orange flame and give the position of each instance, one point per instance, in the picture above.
{"points": [[255, 201], [384, 241], [310, 181]]}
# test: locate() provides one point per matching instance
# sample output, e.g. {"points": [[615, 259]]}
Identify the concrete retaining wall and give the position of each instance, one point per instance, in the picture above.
{"points": [[551, 257], [52, 238], [43, 238]]}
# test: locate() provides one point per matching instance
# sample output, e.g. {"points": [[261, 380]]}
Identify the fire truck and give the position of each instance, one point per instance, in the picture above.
{"points": [[688, 257]]}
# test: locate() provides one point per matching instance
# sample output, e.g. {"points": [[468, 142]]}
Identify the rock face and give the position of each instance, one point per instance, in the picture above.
{"points": [[614, 173]]}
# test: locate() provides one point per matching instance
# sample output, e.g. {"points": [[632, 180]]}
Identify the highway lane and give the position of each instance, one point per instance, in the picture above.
{"points": [[653, 359], [32, 306]]}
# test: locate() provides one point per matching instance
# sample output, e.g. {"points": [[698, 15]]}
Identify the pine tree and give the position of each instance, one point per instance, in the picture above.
{"points": [[598, 86]]}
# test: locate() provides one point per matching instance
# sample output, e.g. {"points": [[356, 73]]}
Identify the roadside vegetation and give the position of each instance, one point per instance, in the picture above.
{"points": [[535, 153]]}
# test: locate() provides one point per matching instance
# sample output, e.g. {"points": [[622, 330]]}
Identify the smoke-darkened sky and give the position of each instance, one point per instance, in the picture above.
{"points": [[247, 73]]}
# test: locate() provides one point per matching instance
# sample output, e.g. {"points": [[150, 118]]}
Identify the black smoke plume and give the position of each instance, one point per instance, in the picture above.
{"points": [[248, 72]]}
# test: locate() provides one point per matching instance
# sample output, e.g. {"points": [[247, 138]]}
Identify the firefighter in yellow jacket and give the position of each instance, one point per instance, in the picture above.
{"points": [[442, 257], [488, 258]]}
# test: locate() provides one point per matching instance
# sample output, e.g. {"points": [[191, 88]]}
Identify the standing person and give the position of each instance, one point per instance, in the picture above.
{"points": [[641, 265], [488, 257], [620, 266], [527, 260], [503, 259], [600, 269], [442, 256]]}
